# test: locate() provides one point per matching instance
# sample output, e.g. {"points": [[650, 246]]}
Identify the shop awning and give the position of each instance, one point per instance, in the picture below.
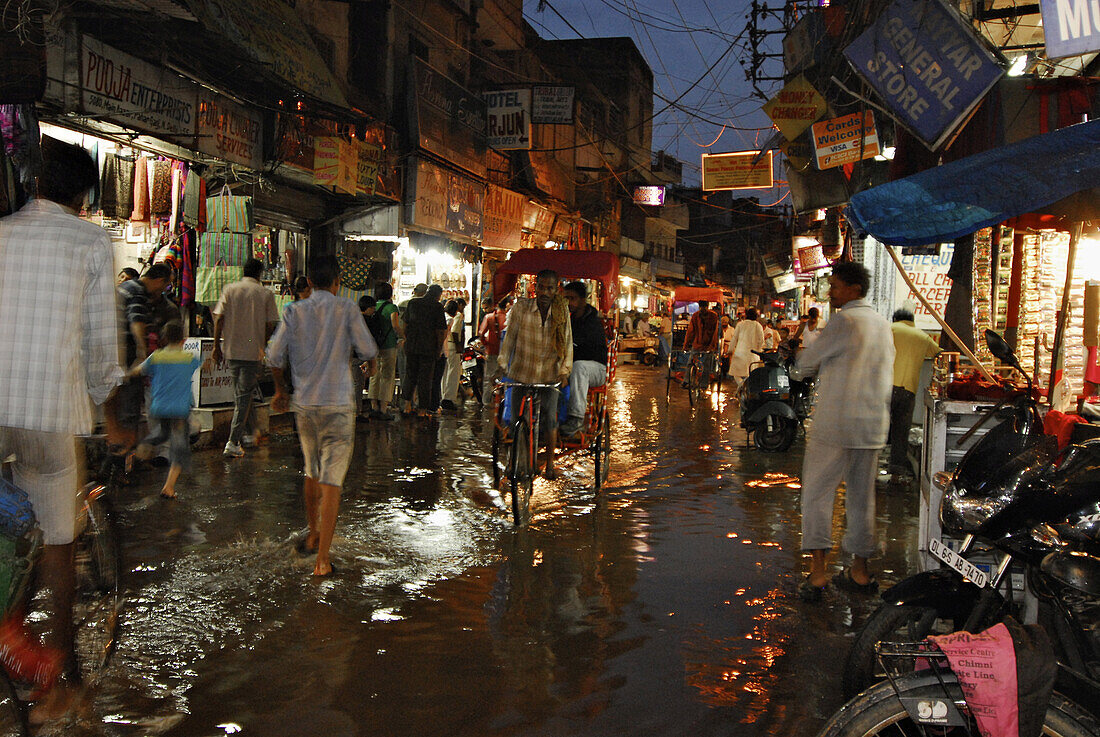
{"points": [[600, 266], [713, 295], [959, 198]]}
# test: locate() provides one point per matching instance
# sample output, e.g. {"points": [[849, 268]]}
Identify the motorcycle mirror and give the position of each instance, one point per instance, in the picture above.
{"points": [[999, 348]]}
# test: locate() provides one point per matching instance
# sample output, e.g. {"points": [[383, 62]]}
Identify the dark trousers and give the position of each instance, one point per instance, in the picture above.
{"points": [[246, 375], [417, 379], [437, 382], [902, 402]]}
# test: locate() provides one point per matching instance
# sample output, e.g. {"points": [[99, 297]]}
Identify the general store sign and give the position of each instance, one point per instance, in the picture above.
{"points": [[929, 274], [845, 139], [125, 89], [552, 104], [508, 119], [1070, 28], [740, 170], [796, 106], [230, 131], [927, 65]]}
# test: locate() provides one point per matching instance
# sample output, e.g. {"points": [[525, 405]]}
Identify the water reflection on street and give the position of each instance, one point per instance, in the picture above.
{"points": [[663, 606]]}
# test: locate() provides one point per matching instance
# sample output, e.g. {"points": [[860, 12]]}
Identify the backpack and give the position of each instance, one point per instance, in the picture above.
{"points": [[380, 327]]}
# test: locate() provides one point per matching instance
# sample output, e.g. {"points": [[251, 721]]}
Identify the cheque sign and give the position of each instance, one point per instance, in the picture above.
{"points": [[839, 140], [741, 170], [927, 65]]}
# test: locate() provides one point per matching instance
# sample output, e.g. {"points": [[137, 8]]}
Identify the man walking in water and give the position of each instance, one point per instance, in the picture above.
{"points": [[853, 361], [317, 337]]}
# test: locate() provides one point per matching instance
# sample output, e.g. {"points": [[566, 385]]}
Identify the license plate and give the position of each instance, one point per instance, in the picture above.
{"points": [[957, 563], [469, 364]]}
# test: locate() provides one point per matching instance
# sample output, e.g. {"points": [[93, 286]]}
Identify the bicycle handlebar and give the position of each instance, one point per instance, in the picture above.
{"points": [[516, 384]]}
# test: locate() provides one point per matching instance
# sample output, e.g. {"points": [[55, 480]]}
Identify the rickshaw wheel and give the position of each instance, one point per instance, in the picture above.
{"points": [[521, 473], [649, 359], [602, 448]]}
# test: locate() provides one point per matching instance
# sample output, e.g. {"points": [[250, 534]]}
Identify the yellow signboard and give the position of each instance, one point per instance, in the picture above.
{"points": [[796, 107], [740, 170], [335, 163]]}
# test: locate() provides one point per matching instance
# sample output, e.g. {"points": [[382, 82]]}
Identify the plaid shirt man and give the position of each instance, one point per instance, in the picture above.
{"points": [[528, 355], [58, 319]]}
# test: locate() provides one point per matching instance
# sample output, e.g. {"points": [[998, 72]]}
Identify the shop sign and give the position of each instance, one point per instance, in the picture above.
{"points": [[812, 258], [741, 170], [772, 267], [552, 104], [651, 195], [796, 106], [845, 139], [335, 163], [230, 131], [929, 275], [927, 65], [450, 120], [785, 282], [798, 153], [213, 383], [370, 161], [806, 44], [1070, 29], [508, 115], [503, 219], [445, 201], [129, 91]]}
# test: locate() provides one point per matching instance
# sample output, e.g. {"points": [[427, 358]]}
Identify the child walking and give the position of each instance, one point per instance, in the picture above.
{"points": [[170, 370]]}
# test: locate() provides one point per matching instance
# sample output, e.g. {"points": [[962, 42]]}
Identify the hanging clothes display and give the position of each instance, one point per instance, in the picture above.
{"points": [[141, 190], [117, 187], [194, 200], [161, 202]]}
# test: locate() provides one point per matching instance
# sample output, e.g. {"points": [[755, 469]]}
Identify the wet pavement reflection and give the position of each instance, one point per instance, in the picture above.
{"points": [[665, 605]]}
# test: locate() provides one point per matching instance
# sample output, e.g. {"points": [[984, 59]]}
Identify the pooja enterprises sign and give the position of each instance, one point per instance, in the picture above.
{"points": [[927, 65], [845, 139]]}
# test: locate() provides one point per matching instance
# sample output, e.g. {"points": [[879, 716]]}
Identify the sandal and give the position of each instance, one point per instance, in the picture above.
{"points": [[844, 580], [808, 592]]}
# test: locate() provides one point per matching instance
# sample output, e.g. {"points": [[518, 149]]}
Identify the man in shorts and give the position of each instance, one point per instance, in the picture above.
{"points": [[59, 329], [317, 337]]}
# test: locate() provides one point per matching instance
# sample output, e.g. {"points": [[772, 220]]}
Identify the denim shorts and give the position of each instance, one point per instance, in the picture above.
{"points": [[327, 435]]}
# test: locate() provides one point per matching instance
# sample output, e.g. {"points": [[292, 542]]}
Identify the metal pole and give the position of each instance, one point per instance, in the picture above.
{"points": [[1063, 313]]}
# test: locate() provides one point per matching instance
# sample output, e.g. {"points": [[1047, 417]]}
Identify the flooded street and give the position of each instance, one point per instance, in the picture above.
{"points": [[664, 606]]}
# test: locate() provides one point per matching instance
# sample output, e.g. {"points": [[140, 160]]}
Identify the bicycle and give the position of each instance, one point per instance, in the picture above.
{"points": [[700, 370], [520, 434]]}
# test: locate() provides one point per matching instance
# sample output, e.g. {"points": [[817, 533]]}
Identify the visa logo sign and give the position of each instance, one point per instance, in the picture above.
{"points": [[1072, 27]]}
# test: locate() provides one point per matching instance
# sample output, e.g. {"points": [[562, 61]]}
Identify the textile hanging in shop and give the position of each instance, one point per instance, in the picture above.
{"points": [[226, 248], [161, 203], [354, 272], [141, 190], [959, 198], [177, 194], [211, 280], [117, 187], [194, 201], [187, 272]]}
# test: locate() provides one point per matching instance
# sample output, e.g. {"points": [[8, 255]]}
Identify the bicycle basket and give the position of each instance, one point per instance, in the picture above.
{"points": [[16, 513]]}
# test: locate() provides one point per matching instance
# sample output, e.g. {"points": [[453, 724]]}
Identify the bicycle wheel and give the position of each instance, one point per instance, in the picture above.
{"points": [[521, 472], [692, 382], [602, 449], [98, 600], [498, 441]]}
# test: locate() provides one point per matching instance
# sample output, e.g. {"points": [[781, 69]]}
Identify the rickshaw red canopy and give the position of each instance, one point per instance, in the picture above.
{"points": [[694, 294], [601, 266]]}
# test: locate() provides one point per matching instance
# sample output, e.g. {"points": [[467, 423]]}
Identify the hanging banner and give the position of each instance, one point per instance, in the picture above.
{"points": [[927, 65], [508, 116], [552, 104], [929, 275], [128, 91], [839, 140], [737, 171], [796, 106], [335, 163], [1069, 28], [229, 131]]}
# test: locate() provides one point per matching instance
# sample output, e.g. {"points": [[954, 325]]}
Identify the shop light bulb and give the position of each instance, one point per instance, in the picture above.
{"points": [[887, 154], [1019, 64]]}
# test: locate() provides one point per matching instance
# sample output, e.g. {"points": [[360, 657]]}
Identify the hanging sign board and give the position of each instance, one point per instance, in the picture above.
{"points": [[552, 104], [125, 89], [230, 131], [652, 195], [508, 119], [839, 141], [927, 65], [785, 282], [796, 106], [812, 258], [929, 275], [503, 228], [737, 171], [335, 163], [1069, 28], [445, 201], [449, 119], [370, 161]]}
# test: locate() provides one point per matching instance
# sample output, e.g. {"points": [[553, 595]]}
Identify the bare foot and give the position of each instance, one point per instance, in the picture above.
{"points": [[324, 569], [168, 493]]}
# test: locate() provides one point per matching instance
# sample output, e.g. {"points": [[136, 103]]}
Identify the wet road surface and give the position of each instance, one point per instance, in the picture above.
{"points": [[664, 606]]}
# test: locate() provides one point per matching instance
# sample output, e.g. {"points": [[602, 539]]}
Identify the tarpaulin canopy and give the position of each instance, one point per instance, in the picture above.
{"points": [[600, 266], [694, 294], [959, 198]]}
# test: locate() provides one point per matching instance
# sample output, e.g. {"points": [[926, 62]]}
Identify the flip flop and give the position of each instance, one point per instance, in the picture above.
{"points": [[808, 592], [844, 580]]}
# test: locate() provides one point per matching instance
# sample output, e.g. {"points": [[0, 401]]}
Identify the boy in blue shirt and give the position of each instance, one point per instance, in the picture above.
{"points": [[170, 370]]}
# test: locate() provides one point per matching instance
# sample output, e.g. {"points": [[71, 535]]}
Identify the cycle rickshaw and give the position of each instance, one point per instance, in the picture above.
{"points": [[516, 412], [695, 371]]}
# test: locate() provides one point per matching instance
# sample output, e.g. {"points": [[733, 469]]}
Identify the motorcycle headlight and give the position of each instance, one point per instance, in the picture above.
{"points": [[1047, 536], [967, 514]]}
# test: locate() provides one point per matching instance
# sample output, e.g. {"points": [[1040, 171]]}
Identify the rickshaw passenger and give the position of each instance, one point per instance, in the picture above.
{"points": [[538, 349], [589, 354]]}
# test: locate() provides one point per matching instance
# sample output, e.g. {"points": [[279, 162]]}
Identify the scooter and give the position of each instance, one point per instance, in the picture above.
{"points": [[773, 406]]}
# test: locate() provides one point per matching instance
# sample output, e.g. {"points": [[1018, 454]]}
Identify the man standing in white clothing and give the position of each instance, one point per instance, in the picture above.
{"points": [[853, 361]]}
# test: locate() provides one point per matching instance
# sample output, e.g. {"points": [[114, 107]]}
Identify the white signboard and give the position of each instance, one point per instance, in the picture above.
{"points": [[929, 275], [230, 131], [508, 119], [213, 385], [552, 104], [125, 89]]}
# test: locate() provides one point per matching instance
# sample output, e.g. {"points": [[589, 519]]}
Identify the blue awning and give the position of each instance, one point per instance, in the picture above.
{"points": [[959, 198]]}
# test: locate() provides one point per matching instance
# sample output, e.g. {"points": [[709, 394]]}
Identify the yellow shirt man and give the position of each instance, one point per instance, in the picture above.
{"points": [[911, 346]]}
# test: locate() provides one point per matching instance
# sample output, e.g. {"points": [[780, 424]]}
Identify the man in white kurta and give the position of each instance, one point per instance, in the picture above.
{"points": [[853, 360]]}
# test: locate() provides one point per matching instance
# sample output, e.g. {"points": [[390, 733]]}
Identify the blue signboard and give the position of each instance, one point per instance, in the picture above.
{"points": [[927, 65], [1070, 28]]}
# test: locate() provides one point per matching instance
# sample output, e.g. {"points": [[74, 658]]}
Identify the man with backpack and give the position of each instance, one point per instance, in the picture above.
{"points": [[386, 329]]}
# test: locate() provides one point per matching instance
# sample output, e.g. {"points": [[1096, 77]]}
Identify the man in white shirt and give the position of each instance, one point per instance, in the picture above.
{"points": [[59, 330], [245, 317], [810, 328], [854, 364]]}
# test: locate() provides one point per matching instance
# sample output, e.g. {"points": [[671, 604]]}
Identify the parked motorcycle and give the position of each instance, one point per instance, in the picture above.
{"points": [[773, 406], [473, 368], [1008, 493]]}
